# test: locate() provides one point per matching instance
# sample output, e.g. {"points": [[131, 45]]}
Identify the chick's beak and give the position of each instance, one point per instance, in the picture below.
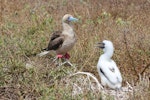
{"points": [[100, 45]]}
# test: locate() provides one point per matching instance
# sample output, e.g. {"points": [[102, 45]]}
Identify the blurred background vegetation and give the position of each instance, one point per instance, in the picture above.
{"points": [[25, 29]]}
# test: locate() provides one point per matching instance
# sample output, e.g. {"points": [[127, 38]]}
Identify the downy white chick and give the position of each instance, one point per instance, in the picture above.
{"points": [[107, 68]]}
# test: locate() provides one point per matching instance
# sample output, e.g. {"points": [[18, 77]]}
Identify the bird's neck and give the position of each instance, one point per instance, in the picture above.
{"points": [[107, 55], [68, 30], [67, 27]]}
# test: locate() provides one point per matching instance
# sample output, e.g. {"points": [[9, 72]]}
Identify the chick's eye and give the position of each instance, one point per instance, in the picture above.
{"points": [[103, 43]]}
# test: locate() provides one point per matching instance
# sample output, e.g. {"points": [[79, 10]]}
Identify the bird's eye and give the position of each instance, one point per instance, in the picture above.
{"points": [[103, 43], [68, 18]]}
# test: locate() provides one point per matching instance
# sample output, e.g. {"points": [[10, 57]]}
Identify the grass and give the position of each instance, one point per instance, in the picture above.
{"points": [[26, 28]]}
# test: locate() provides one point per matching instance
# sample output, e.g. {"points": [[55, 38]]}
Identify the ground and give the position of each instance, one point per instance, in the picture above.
{"points": [[25, 29]]}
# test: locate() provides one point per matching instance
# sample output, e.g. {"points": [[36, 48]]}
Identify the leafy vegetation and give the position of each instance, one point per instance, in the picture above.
{"points": [[26, 26]]}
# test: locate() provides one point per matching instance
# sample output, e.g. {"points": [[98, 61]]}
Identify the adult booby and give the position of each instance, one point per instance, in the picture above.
{"points": [[107, 68], [62, 41]]}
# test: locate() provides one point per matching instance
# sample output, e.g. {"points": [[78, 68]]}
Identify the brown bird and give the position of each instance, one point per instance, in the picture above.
{"points": [[62, 41]]}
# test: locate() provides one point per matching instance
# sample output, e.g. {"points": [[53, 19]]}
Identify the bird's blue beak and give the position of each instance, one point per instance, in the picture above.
{"points": [[72, 19]]}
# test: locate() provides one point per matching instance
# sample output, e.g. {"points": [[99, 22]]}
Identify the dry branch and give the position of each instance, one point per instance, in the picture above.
{"points": [[92, 76]]}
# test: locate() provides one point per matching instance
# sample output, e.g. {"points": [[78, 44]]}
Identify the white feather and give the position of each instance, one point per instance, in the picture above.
{"points": [[43, 53], [112, 77]]}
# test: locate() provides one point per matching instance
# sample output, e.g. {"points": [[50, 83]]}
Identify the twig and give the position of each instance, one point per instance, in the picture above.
{"points": [[141, 73], [147, 66], [92, 76], [129, 85], [132, 60]]}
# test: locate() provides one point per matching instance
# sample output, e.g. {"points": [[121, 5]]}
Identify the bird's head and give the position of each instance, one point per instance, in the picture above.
{"points": [[106, 45], [68, 18]]}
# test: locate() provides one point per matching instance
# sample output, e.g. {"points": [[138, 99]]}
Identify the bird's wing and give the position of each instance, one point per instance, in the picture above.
{"points": [[117, 72], [56, 41], [55, 35], [110, 72]]}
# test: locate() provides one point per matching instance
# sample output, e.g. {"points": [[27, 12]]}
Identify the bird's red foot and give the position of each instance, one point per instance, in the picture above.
{"points": [[67, 56], [59, 56]]}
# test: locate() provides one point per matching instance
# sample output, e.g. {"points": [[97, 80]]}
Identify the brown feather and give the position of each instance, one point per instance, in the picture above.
{"points": [[55, 35], [56, 41]]}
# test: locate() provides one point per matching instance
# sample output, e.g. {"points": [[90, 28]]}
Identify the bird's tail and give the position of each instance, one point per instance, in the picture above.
{"points": [[43, 53]]}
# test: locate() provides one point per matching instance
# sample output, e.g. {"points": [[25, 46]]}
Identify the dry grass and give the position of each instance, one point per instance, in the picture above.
{"points": [[25, 29]]}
